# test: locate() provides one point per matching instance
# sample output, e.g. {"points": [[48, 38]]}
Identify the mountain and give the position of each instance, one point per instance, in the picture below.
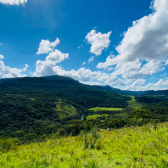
{"points": [[132, 93], [40, 102], [97, 87]]}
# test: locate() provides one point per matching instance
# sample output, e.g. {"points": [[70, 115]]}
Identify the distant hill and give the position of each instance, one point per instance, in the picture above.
{"points": [[38, 102], [31, 104], [132, 93]]}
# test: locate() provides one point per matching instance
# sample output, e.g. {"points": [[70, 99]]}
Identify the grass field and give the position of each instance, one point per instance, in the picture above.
{"points": [[134, 147], [95, 116], [65, 110], [134, 104], [105, 109]]}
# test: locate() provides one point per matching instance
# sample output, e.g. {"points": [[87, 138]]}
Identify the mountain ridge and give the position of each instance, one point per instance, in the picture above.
{"points": [[98, 87], [38, 102]]}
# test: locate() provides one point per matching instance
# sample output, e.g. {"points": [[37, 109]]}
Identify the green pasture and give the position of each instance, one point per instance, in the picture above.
{"points": [[133, 147], [105, 109], [95, 116], [134, 104]]}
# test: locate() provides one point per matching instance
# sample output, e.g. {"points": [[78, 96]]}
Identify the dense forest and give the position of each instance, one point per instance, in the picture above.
{"points": [[39, 104], [33, 107]]}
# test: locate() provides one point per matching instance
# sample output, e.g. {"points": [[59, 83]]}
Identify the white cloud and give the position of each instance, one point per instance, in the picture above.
{"points": [[92, 83], [98, 41], [144, 48], [166, 63], [139, 82], [83, 63], [151, 67], [160, 85], [8, 72], [80, 46], [91, 59], [132, 72], [161, 82], [56, 57], [46, 46], [44, 68], [49, 67], [164, 74], [83, 75], [25, 68], [13, 2], [1, 43], [1, 57], [110, 69]]}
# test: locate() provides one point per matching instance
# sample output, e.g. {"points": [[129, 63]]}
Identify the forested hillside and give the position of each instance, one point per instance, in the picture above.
{"points": [[34, 104], [32, 107]]}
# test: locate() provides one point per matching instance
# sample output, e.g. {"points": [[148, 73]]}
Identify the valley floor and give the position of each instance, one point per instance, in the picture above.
{"points": [[145, 146]]}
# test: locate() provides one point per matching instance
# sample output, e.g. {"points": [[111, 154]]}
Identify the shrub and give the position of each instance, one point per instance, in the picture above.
{"points": [[30, 137], [7, 143], [90, 138]]}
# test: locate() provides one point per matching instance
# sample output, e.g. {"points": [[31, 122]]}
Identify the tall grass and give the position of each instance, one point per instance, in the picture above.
{"points": [[131, 147]]}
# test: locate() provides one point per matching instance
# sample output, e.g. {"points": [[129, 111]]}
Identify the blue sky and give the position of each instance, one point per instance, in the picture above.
{"points": [[119, 43]]}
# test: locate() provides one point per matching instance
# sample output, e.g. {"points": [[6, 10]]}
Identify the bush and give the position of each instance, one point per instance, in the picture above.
{"points": [[30, 137], [7, 143], [90, 138], [18, 133]]}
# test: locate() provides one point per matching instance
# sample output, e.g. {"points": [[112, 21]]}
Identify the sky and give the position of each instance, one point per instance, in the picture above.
{"points": [[123, 44]]}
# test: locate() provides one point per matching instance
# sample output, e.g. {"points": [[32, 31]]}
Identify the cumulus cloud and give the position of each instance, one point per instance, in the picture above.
{"points": [[139, 85], [44, 68], [144, 48], [161, 84], [91, 59], [13, 2], [25, 68], [46, 46], [49, 67], [1, 57], [8, 72], [98, 41], [83, 75]]}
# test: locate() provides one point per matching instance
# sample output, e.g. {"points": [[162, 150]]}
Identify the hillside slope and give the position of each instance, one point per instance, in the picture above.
{"points": [[30, 103], [128, 147]]}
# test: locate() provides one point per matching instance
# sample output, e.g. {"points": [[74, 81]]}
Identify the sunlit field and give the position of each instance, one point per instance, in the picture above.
{"points": [[145, 146], [105, 109]]}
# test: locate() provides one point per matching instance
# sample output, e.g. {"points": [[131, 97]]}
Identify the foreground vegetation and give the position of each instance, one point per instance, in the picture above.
{"points": [[145, 146]]}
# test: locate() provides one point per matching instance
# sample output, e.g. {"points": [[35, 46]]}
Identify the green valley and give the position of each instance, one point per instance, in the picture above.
{"points": [[56, 121]]}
